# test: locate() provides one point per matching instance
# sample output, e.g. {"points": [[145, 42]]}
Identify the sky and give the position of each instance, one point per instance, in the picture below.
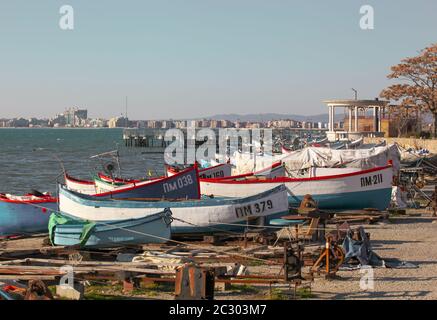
{"points": [[195, 58]]}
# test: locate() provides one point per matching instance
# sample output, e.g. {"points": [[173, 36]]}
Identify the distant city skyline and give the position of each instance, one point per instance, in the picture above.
{"points": [[259, 117], [78, 118], [194, 59]]}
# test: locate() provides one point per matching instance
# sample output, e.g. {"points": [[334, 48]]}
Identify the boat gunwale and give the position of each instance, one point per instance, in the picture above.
{"points": [[112, 223], [88, 200], [125, 188], [79, 181], [49, 199]]}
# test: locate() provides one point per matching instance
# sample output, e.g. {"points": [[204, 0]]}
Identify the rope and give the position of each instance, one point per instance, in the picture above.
{"points": [[269, 226], [212, 228], [209, 227]]}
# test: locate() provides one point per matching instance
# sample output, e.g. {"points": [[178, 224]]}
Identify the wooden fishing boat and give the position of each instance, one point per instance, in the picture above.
{"points": [[184, 185], [118, 180], [91, 187], [105, 185], [354, 190], [221, 170], [190, 216], [285, 150], [25, 214], [152, 228], [78, 185], [274, 171]]}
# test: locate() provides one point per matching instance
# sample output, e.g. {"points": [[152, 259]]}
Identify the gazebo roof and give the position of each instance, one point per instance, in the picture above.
{"points": [[358, 103]]}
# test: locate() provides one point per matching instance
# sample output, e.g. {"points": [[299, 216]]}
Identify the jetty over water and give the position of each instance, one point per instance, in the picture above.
{"points": [[153, 140]]}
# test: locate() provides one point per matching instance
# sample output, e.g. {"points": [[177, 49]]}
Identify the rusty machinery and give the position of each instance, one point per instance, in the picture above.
{"points": [[194, 283], [330, 258], [293, 262]]}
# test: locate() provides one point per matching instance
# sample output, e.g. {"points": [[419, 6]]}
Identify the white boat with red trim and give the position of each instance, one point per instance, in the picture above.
{"points": [[353, 190]]}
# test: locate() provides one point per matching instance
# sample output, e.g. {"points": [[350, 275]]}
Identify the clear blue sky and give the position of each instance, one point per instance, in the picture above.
{"points": [[193, 58]]}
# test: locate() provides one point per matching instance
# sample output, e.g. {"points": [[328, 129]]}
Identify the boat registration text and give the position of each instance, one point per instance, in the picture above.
{"points": [[254, 208], [371, 180]]}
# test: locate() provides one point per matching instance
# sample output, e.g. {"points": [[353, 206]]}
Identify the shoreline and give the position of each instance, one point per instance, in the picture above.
{"points": [[63, 128]]}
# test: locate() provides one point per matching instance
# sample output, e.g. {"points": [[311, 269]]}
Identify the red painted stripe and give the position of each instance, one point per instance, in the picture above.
{"points": [[286, 179], [48, 200], [75, 180]]}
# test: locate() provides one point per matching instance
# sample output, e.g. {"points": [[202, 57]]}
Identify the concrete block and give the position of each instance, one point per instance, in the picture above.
{"points": [[65, 291]]}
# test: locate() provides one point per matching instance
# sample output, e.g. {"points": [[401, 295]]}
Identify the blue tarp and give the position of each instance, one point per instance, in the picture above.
{"points": [[362, 251]]}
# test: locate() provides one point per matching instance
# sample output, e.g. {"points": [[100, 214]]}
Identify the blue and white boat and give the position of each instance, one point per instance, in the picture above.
{"points": [[183, 185], [66, 230], [190, 216], [25, 214]]}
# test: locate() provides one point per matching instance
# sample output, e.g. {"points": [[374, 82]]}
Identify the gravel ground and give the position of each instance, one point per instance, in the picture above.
{"points": [[410, 239], [407, 238]]}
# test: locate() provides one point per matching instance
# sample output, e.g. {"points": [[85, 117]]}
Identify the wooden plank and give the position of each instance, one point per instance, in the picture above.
{"points": [[257, 248], [89, 263], [28, 277], [7, 269]]}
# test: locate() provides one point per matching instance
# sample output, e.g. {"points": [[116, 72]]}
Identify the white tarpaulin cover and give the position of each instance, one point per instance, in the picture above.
{"points": [[398, 198], [322, 157]]}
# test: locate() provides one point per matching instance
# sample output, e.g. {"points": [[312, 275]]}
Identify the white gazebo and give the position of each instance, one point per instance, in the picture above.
{"points": [[354, 107]]}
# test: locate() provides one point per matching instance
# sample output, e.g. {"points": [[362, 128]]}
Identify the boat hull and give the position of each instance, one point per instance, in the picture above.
{"points": [[356, 190], [191, 216], [183, 185], [150, 229], [22, 218], [82, 186]]}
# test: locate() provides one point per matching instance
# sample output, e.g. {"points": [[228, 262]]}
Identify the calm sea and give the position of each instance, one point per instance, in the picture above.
{"points": [[28, 156]]}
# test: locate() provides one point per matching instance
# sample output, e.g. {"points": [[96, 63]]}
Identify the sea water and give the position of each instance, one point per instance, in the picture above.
{"points": [[33, 158]]}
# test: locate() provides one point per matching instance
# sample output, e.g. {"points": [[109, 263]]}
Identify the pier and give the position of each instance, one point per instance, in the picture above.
{"points": [[153, 140]]}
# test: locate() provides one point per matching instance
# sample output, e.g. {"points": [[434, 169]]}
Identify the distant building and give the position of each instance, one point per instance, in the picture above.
{"points": [[58, 121], [193, 124], [167, 124], [204, 123], [180, 124], [118, 122], [153, 124], [283, 123], [227, 124], [34, 122], [215, 124], [98, 123], [75, 117], [18, 123]]}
